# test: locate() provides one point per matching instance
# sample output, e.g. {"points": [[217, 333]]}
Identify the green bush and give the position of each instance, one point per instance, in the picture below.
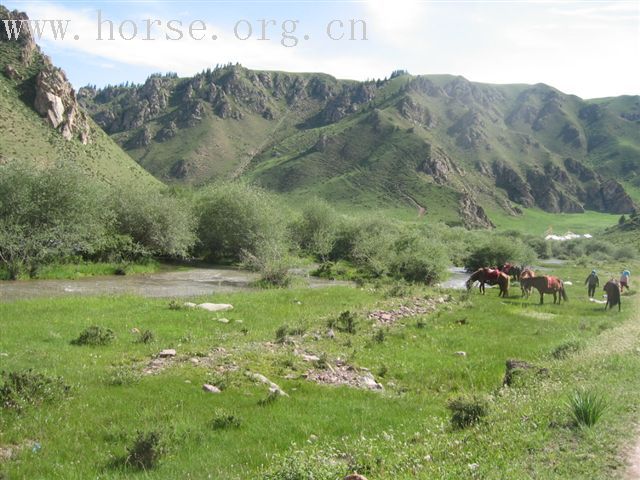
{"points": [[237, 221], [586, 407], [47, 214], [417, 259], [224, 420], [316, 232], [496, 251], [272, 260], [94, 335], [145, 452], [158, 223], [25, 388], [466, 410]]}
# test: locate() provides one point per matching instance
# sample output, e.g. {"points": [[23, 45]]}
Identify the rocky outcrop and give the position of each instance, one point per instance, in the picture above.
{"points": [[472, 214], [415, 113], [512, 183], [438, 165], [55, 100], [468, 130], [548, 196]]}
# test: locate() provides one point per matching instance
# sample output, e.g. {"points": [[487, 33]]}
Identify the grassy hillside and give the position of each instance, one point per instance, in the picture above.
{"points": [[437, 141], [26, 135]]}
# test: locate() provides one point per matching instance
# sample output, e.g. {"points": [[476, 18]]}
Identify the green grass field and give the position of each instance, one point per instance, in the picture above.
{"points": [[537, 222], [401, 432]]}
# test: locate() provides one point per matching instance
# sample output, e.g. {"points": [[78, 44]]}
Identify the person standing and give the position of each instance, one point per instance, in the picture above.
{"points": [[592, 282], [624, 280]]}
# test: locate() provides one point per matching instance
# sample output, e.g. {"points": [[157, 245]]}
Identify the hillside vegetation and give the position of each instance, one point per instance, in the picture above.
{"points": [[440, 144]]}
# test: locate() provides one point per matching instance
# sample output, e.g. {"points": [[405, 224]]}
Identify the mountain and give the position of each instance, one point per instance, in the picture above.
{"points": [[41, 120], [440, 143]]}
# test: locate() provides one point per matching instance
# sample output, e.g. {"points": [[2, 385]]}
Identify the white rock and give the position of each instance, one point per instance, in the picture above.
{"points": [[223, 320], [211, 388], [273, 388], [189, 305], [169, 352], [215, 307], [461, 354]]}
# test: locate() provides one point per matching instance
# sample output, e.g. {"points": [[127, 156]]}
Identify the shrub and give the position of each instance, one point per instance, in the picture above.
{"points": [[317, 230], [21, 389], [497, 251], [272, 260], [146, 336], [47, 214], [94, 335], [157, 222], [466, 411], [346, 322], [237, 220], [418, 260], [625, 252], [586, 407], [145, 452], [224, 420]]}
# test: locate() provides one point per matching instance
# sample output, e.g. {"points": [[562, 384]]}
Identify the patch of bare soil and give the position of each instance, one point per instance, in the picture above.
{"points": [[418, 306], [343, 374]]}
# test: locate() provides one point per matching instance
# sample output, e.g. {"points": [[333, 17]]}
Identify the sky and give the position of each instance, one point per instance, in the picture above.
{"points": [[587, 48]]}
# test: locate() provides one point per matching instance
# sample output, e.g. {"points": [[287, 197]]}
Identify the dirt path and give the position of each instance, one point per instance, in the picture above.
{"points": [[633, 469]]}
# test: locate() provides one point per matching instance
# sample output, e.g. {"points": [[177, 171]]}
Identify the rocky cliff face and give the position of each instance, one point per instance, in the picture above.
{"points": [[53, 96], [55, 100]]}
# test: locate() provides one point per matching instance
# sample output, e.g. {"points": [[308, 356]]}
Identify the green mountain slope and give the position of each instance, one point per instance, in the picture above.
{"points": [[438, 143], [28, 79]]}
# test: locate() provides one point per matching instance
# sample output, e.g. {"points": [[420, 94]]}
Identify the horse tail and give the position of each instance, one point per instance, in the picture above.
{"points": [[563, 293]]}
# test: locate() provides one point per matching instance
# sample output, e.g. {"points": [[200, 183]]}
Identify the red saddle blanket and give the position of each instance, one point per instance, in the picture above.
{"points": [[492, 274], [553, 283]]}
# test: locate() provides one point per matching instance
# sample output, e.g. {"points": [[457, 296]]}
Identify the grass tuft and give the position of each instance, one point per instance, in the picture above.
{"points": [[586, 407]]}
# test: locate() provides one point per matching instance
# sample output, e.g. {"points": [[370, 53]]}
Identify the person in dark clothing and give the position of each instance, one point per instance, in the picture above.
{"points": [[592, 282]]}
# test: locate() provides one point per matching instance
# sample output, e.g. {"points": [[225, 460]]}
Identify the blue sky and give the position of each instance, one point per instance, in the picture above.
{"points": [[587, 48]]}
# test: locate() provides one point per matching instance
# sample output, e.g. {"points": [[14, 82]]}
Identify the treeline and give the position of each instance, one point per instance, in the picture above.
{"points": [[50, 215]]}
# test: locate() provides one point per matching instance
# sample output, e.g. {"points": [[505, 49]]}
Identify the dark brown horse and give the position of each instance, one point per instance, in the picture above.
{"points": [[492, 277], [612, 287], [546, 284], [526, 273]]}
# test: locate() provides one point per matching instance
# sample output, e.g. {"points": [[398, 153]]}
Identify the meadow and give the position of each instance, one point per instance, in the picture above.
{"points": [[97, 410]]}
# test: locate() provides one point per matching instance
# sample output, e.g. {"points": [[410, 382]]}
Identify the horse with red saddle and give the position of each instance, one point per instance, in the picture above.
{"points": [[492, 276]]}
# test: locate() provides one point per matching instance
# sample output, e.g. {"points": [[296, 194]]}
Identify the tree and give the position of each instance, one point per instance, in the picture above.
{"points": [[47, 214]]}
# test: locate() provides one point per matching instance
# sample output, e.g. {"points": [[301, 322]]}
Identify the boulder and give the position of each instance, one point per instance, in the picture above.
{"points": [[211, 388], [169, 352], [215, 307]]}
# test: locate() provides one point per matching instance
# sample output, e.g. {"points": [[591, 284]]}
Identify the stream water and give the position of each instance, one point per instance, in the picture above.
{"points": [[185, 283]]}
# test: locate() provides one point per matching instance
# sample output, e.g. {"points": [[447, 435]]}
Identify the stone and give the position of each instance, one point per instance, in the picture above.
{"points": [[331, 333], [189, 305], [355, 476], [10, 72], [273, 388], [223, 320], [461, 354], [211, 388], [215, 307], [169, 352]]}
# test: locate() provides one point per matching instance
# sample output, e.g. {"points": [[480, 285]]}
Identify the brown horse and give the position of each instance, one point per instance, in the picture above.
{"points": [[492, 277], [612, 287], [546, 284], [526, 273]]}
